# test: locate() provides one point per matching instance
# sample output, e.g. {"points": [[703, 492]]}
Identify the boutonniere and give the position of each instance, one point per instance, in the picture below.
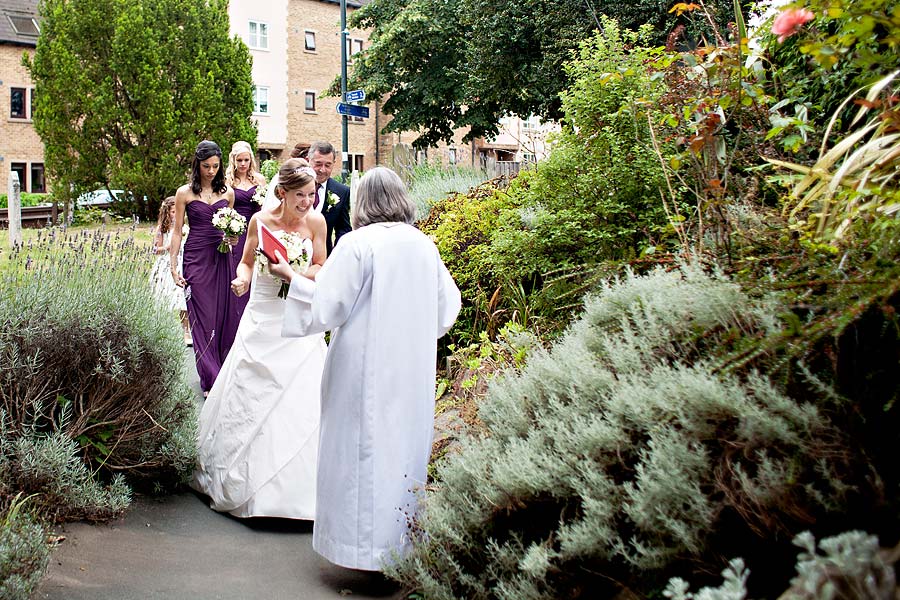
{"points": [[333, 199]]}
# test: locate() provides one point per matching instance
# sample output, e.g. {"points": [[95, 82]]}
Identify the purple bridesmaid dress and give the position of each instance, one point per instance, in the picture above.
{"points": [[244, 204], [208, 273]]}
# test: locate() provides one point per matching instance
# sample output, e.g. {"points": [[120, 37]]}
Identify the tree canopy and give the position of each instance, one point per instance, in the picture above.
{"points": [[445, 64], [125, 89]]}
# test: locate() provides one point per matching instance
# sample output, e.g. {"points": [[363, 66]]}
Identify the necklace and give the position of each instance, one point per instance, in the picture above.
{"points": [[206, 197]]}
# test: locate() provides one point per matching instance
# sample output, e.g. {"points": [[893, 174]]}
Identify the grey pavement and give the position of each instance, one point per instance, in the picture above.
{"points": [[175, 547]]}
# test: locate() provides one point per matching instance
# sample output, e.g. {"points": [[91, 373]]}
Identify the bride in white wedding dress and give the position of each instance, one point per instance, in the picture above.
{"points": [[259, 427]]}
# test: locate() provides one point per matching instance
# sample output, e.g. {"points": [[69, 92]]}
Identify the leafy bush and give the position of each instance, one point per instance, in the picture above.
{"points": [[23, 553], [461, 226], [626, 453], [92, 375], [269, 168], [851, 566], [846, 55], [26, 199], [597, 196]]}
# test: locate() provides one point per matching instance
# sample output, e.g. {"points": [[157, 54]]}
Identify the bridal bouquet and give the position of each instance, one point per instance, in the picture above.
{"points": [[231, 223], [297, 256]]}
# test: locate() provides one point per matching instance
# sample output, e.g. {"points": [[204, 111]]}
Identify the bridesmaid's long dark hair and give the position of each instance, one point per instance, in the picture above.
{"points": [[207, 149]]}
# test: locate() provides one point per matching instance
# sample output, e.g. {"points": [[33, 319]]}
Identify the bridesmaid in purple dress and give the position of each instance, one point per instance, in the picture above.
{"points": [[207, 272], [243, 175]]}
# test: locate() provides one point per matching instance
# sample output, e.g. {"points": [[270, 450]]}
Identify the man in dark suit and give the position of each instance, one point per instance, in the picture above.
{"points": [[332, 196]]}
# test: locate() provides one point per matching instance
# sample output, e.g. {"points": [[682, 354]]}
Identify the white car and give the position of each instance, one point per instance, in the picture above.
{"points": [[99, 197]]}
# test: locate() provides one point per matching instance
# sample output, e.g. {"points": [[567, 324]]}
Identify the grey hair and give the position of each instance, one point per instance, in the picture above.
{"points": [[382, 198], [323, 148]]}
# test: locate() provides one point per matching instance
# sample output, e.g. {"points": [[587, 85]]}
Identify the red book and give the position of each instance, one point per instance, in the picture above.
{"points": [[268, 243]]}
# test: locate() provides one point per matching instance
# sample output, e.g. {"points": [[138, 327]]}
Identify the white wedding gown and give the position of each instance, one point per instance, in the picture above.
{"points": [[259, 427]]}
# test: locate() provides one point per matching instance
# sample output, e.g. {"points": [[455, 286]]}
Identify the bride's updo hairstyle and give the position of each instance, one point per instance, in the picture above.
{"points": [[382, 198], [293, 175]]}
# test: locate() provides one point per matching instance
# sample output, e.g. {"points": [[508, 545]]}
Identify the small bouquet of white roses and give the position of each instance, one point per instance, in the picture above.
{"points": [[260, 196], [231, 223], [297, 256]]}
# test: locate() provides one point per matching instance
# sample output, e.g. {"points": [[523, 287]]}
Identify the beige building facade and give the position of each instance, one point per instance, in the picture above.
{"points": [[296, 51], [21, 149]]}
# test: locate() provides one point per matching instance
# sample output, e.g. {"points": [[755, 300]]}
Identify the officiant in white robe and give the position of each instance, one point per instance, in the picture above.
{"points": [[387, 297]]}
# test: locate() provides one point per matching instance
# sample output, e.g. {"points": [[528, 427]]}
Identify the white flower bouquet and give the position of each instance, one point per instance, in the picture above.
{"points": [[230, 222], [260, 196], [297, 256], [332, 199]]}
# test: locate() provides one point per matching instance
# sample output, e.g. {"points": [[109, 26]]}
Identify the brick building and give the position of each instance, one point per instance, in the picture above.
{"points": [[296, 50], [21, 149]]}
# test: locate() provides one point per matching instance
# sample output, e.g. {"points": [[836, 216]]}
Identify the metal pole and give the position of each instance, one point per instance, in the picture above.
{"points": [[345, 152]]}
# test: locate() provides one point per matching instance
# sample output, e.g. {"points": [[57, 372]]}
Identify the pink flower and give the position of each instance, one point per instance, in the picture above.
{"points": [[790, 21]]}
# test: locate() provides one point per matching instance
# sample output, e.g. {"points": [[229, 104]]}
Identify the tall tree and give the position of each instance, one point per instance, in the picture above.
{"points": [[445, 64], [125, 89]]}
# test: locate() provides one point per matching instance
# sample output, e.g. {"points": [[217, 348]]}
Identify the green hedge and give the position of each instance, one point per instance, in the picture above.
{"points": [[27, 199]]}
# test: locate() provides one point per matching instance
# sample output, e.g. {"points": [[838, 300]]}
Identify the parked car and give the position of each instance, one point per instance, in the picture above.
{"points": [[99, 197]]}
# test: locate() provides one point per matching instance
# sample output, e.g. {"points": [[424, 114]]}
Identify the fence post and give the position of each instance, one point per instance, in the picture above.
{"points": [[14, 210]]}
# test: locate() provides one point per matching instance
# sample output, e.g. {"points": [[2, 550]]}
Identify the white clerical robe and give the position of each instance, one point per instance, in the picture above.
{"points": [[386, 296]]}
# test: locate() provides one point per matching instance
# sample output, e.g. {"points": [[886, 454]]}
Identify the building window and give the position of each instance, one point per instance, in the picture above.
{"points": [[259, 35], [354, 46], [20, 169], [18, 103], [310, 98], [451, 155], [38, 185], [261, 100], [357, 162], [24, 25], [309, 41]]}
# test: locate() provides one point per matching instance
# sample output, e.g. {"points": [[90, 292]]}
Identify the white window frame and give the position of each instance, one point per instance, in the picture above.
{"points": [[351, 42], [354, 157], [258, 35], [29, 101], [315, 48], [257, 105], [34, 23], [308, 94]]}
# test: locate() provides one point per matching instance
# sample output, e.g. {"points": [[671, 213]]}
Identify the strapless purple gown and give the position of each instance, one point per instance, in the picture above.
{"points": [[244, 204], [208, 273]]}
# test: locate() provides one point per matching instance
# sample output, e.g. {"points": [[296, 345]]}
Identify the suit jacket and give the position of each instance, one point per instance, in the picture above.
{"points": [[337, 216]]}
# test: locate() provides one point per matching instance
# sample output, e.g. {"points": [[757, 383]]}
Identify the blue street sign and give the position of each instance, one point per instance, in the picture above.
{"points": [[353, 110], [356, 96]]}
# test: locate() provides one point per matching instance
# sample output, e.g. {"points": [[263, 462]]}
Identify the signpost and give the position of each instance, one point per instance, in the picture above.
{"points": [[355, 96], [345, 155], [353, 110]]}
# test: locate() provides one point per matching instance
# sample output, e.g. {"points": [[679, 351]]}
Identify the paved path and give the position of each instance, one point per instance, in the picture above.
{"points": [[175, 548]]}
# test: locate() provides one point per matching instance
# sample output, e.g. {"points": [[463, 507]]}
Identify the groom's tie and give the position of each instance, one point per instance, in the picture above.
{"points": [[316, 203]]}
